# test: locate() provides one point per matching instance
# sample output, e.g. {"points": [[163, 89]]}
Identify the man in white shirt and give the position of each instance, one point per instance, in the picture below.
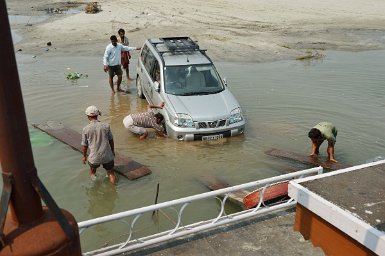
{"points": [[112, 61]]}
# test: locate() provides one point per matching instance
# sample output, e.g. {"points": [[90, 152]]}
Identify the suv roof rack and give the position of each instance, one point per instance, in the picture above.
{"points": [[175, 45], [180, 44]]}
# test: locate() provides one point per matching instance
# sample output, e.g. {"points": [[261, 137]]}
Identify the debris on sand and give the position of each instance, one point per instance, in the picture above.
{"points": [[56, 10], [92, 7], [311, 55]]}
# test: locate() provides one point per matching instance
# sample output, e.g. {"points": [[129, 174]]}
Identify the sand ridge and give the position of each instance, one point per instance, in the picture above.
{"points": [[231, 30]]}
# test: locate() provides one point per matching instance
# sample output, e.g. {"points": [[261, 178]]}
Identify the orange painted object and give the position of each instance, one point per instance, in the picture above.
{"points": [[324, 235], [42, 237], [272, 192]]}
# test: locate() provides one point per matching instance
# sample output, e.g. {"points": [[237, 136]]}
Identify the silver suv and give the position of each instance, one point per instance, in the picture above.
{"points": [[198, 104]]}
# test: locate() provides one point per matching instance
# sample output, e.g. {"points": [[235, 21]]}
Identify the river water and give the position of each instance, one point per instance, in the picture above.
{"points": [[281, 102]]}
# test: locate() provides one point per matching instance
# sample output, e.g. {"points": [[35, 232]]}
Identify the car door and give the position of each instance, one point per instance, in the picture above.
{"points": [[148, 63], [156, 84]]}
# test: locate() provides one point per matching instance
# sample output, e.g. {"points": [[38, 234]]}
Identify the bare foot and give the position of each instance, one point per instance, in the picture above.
{"points": [[112, 178], [93, 177], [120, 90], [113, 92]]}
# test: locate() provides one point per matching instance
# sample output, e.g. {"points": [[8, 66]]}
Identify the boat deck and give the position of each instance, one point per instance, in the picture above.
{"points": [[266, 235], [348, 204], [338, 213]]}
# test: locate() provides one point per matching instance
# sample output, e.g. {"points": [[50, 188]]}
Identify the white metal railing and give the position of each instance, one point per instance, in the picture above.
{"points": [[180, 230]]}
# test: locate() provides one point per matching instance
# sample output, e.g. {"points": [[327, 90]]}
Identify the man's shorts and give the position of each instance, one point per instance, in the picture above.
{"points": [[129, 124], [115, 70], [107, 166]]}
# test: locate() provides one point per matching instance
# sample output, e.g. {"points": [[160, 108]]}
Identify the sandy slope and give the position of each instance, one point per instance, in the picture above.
{"points": [[237, 30]]}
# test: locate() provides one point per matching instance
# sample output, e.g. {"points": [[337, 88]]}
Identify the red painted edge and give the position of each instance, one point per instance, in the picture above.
{"points": [[272, 192]]}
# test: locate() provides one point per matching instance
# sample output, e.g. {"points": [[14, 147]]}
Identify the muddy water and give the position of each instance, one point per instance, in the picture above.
{"points": [[281, 102]]}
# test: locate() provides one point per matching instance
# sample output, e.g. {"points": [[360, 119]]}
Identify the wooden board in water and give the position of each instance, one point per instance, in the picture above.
{"points": [[123, 165], [305, 159], [213, 183]]}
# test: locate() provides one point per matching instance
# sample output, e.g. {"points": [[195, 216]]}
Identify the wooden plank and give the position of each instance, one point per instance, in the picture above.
{"points": [[305, 159], [214, 183], [272, 192], [123, 165]]}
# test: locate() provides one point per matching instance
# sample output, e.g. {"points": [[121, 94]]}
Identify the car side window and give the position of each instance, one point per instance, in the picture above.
{"points": [[144, 54], [155, 72], [149, 62]]}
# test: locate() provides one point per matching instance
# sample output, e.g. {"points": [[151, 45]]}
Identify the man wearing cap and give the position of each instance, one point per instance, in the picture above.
{"points": [[97, 137], [137, 123], [112, 61]]}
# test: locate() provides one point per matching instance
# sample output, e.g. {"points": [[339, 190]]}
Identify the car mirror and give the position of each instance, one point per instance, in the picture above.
{"points": [[157, 86]]}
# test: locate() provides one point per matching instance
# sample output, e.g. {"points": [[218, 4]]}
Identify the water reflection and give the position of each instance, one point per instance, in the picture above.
{"points": [[39, 139], [102, 197]]}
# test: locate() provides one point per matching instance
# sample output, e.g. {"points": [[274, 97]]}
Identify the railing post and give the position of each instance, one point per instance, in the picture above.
{"points": [[24, 228]]}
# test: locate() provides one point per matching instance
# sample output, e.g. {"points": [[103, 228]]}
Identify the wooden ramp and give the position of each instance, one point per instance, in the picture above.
{"points": [[123, 165], [305, 159]]}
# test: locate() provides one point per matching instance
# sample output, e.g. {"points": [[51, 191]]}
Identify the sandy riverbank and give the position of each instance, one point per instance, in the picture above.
{"points": [[231, 30]]}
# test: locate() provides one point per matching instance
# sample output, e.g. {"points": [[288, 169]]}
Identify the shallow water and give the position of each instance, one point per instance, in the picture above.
{"points": [[281, 102], [23, 20]]}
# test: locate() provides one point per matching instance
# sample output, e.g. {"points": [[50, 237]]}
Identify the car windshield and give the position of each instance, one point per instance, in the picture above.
{"points": [[192, 80]]}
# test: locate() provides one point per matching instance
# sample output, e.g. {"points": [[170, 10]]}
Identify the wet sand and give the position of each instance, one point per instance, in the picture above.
{"points": [[242, 31]]}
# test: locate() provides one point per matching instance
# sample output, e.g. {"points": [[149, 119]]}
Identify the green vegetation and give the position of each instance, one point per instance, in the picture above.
{"points": [[75, 75]]}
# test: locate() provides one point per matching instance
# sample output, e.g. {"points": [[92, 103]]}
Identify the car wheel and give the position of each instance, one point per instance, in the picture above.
{"points": [[139, 88]]}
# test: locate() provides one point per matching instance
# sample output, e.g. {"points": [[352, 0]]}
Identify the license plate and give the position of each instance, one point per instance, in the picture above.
{"points": [[212, 137]]}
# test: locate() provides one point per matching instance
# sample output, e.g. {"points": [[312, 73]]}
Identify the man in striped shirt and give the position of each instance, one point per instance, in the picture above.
{"points": [[137, 123]]}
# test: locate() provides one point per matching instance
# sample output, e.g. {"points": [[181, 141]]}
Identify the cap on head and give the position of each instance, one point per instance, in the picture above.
{"points": [[92, 111]]}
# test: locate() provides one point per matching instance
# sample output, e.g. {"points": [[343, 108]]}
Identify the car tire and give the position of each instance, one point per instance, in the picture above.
{"points": [[139, 88]]}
